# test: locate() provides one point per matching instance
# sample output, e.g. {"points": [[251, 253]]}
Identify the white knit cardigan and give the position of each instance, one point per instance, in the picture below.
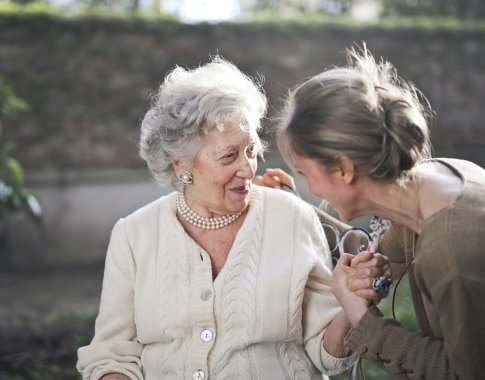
{"points": [[163, 317]]}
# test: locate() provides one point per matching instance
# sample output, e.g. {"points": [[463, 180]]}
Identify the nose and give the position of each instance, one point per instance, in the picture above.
{"points": [[248, 167]]}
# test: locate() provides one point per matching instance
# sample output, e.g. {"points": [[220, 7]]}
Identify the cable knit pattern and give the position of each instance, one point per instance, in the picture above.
{"points": [[296, 298], [172, 277], [163, 316], [296, 364], [295, 305], [238, 297], [291, 351]]}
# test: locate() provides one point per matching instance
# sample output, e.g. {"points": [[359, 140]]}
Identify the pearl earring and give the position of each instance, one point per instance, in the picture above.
{"points": [[186, 178]]}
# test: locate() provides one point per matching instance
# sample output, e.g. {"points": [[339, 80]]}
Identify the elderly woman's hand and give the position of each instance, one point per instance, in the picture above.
{"points": [[277, 179], [354, 305], [114, 376], [353, 281]]}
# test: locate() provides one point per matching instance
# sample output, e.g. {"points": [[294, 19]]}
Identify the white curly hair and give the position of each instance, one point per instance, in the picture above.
{"points": [[189, 104]]}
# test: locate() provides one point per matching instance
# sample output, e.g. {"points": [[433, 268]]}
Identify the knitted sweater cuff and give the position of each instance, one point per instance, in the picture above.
{"points": [[369, 323], [99, 373], [333, 365]]}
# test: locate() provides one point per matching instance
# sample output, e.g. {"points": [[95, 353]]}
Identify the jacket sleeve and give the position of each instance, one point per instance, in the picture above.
{"points": [[320, 306], [387, 343], [454, 284], [114, 347]]}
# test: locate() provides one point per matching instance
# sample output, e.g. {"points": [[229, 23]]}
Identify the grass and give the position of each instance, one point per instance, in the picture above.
{"points": [[30, 352]]}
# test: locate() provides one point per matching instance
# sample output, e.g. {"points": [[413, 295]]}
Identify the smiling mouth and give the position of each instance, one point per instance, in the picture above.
{"points": [[240, 189]]}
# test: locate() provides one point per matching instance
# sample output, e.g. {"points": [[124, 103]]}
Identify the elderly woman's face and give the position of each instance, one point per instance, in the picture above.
{"points": [[223, 172]]}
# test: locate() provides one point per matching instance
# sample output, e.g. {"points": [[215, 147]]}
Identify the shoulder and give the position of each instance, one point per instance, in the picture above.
{"points": [[164, 201], [467, 169], [140, 230], [151, 210], [292, 214], [281, 206], [283, 199]]}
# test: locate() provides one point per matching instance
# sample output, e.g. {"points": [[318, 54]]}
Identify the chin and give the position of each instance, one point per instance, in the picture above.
{"points": [[239, 206], [345, 216]]}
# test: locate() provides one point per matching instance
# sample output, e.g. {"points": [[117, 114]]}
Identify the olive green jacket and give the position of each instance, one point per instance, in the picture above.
{"points": [[447, 278]]}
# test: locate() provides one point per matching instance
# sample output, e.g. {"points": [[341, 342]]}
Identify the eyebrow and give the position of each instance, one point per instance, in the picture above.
{"points": [[231, 147], [225, 150]]}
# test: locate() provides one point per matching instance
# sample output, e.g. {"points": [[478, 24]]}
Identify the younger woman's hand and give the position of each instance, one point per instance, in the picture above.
{"points": [[368, 266], [276, 179]]}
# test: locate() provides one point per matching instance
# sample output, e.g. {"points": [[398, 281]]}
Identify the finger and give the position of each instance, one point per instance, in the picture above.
{"points": [[376, 260], [272, 181], [369, 272], [373, 272], [284, 177], [258, 180], [373, 246], [356, 284], [361, 258], [380, 258], [340, 273], [267, 181], [345, 259]]}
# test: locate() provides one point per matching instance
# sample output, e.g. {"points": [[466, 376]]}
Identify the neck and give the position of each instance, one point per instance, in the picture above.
{"points": [[400, 204]]}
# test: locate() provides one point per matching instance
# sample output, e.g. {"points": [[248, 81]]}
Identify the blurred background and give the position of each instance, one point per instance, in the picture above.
{"points": [[76, 78]]}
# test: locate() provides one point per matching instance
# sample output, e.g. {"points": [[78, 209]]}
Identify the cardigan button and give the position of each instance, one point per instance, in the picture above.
{"points": [[205, 294], [198, 375], [206, 335]]}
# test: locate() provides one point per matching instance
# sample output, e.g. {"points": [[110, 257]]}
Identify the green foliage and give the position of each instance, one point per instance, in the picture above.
{"points": [[13, 195], [30, 8], [264, 12], [299, 18], [309, 19], [466, 10], [91, 8], [431, 23], [9, 103], [443, 8]]}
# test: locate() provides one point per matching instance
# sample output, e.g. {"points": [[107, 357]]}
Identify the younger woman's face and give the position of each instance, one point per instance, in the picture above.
{"points": [[327, 182]]}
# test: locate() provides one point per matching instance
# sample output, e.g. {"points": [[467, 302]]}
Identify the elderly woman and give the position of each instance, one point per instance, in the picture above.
{"points": [[222, 279], [359, 135]]}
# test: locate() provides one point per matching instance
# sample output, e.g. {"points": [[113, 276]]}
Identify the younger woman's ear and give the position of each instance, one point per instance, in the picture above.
{"points": [[347, 169]]}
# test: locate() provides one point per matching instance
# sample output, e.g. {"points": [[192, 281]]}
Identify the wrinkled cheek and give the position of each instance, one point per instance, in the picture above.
{"points": [[254, 166]]}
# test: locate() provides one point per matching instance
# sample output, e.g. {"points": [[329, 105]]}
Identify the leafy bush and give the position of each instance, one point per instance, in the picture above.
{"points": [[46, 351], [13, 195]]}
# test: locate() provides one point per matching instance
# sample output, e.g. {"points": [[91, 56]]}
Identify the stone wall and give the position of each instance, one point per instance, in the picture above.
{"points": [[88, 83]]}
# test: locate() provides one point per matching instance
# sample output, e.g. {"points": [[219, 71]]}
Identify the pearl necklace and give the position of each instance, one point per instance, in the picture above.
{"points": [[202, 222]]}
